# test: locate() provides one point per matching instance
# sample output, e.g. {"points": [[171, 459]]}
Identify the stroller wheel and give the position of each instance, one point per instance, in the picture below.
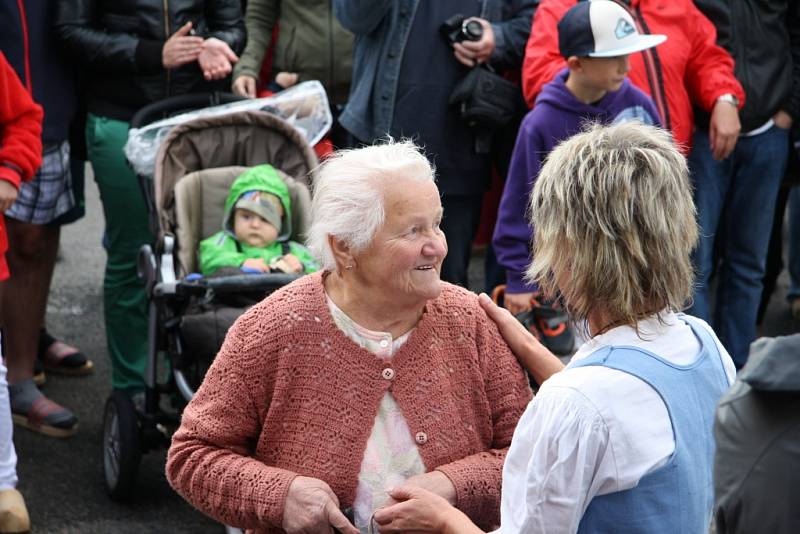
{"points": [[121, 445]]}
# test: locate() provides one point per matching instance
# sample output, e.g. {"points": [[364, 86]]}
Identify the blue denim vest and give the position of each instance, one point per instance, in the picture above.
{"points": [[677, 497], [381, 29]]}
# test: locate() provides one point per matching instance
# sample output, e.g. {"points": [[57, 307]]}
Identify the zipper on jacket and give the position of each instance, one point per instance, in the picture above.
{"points": [[167, 33], [331, 87], [26, 51], [653, 68]]}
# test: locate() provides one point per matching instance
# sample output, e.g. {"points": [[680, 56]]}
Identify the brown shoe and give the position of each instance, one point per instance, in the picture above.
{"points": [[13, 513]]}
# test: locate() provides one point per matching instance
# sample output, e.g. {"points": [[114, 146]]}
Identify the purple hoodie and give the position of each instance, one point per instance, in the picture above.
{"points": [[556, 116]]}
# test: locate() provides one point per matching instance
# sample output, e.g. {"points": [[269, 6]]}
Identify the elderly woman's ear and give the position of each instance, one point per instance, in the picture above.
{"points": [[341, 254]]}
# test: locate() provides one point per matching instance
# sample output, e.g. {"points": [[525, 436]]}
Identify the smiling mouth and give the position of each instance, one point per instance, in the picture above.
{"points": [[424, 268]]}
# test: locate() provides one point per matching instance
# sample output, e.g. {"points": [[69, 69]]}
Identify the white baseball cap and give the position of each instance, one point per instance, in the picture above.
{"points": [[601, 28]]}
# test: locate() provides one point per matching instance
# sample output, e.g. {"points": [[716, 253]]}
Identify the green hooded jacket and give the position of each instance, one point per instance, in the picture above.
{"points": [[224, 250]]}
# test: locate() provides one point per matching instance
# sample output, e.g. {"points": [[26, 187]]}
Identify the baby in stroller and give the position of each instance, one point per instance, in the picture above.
{"points": [[256, 229]]}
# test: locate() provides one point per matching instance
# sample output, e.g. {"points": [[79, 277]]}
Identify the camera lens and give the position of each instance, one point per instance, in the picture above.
{"points": [[472, 30]]}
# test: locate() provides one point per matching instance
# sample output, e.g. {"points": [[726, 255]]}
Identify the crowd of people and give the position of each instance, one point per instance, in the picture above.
{"points": [[646, 155]]}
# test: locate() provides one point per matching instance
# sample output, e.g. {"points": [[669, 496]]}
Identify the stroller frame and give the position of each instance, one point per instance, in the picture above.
{"points": [[133, 427]]}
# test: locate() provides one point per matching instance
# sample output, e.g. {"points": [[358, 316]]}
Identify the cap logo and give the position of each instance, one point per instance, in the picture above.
{"points": [[623, 29]]}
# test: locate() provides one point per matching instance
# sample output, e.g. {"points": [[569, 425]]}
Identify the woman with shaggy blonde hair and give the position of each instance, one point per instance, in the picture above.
{"points": [[620, 440]]}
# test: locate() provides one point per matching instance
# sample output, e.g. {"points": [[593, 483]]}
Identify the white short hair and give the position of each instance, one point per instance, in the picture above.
{"points": [[347, 201]]}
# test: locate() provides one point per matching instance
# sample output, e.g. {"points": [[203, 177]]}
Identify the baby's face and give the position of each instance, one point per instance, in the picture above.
{"points": [[253, 230]]}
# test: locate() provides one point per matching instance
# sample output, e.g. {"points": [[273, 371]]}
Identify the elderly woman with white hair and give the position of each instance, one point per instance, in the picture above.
{"points": [[368, 375], [621, 439]]}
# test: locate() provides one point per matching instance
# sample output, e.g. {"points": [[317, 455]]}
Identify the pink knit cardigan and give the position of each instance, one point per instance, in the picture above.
{"points": [[289, 394]]}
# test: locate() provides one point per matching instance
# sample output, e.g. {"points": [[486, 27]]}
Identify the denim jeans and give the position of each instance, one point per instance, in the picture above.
{"points": [[794, 243], [735, 201]]}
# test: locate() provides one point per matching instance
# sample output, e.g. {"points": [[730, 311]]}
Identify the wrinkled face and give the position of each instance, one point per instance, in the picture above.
{"points": [[606, 73], [404, 259], [252, 229]]}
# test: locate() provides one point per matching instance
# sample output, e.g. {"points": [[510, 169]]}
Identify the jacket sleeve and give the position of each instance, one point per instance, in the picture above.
{"points": [[219, 251], [478, 478], [709, 71], [209, 462], [260, 19], [225, 22], [511, 35], [110, 52], [20, 128], [513, 231], [361, 16], [542, 58], [792, 106]]}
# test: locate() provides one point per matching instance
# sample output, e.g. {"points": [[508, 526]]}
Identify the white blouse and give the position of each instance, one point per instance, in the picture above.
{"points": [[592, 431]]}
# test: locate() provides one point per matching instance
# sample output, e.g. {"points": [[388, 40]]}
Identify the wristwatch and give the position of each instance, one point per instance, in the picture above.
{"points": [[729, 98]]}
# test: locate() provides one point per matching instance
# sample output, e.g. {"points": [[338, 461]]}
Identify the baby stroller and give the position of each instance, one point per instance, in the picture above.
{"points": [[189, 314]]}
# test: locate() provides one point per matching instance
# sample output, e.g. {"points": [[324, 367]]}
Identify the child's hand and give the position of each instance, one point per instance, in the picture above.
{"points": [[8, 195], [288, 264], [294, 264], [256, 264]]}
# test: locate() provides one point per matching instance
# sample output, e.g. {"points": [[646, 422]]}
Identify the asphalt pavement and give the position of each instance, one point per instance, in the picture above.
{"points": [[62, 479]]}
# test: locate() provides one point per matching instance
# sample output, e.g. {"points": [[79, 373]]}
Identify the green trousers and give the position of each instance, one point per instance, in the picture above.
{"points": [[125, 305]]}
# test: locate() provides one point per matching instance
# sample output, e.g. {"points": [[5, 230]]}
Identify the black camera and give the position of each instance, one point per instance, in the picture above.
{"points": [[457, 28]]}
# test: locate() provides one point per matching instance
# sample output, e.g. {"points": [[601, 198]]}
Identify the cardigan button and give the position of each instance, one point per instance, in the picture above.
{"points": [[421, 437], [388, 373]]}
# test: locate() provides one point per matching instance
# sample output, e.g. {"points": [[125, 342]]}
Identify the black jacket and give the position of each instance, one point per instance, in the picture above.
{"points": [[763, 36], [28, 43], [757, 433], [119, 42]]}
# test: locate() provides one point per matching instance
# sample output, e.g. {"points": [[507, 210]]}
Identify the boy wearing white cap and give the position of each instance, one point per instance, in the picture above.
{"points": [[595, 38]]}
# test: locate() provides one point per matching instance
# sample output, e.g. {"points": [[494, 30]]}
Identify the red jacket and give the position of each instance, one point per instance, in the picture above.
{"points": [[689, 68], [20, 139]]}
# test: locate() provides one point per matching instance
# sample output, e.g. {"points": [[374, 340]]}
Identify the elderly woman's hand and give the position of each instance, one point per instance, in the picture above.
{"points": [[435, 482], [419, 510], [311, 507]]}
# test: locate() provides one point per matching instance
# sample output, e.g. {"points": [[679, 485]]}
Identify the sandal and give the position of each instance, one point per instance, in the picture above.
{"points": [[60, 358], [45, 416]]}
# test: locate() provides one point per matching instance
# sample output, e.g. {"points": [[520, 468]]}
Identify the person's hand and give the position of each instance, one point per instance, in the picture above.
{"points": [[517, 302], [8, 195], [312, 508], [724, 129], [245, 85], [471, 52], [256, 264], [286, 79], [436, 482], [417, 510], [782, 120], [181, 48], [288, 264], [216, 59], [532, 355]]}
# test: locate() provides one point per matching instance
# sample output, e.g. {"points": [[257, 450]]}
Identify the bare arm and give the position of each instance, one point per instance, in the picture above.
{"points": [[532, 355]]}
